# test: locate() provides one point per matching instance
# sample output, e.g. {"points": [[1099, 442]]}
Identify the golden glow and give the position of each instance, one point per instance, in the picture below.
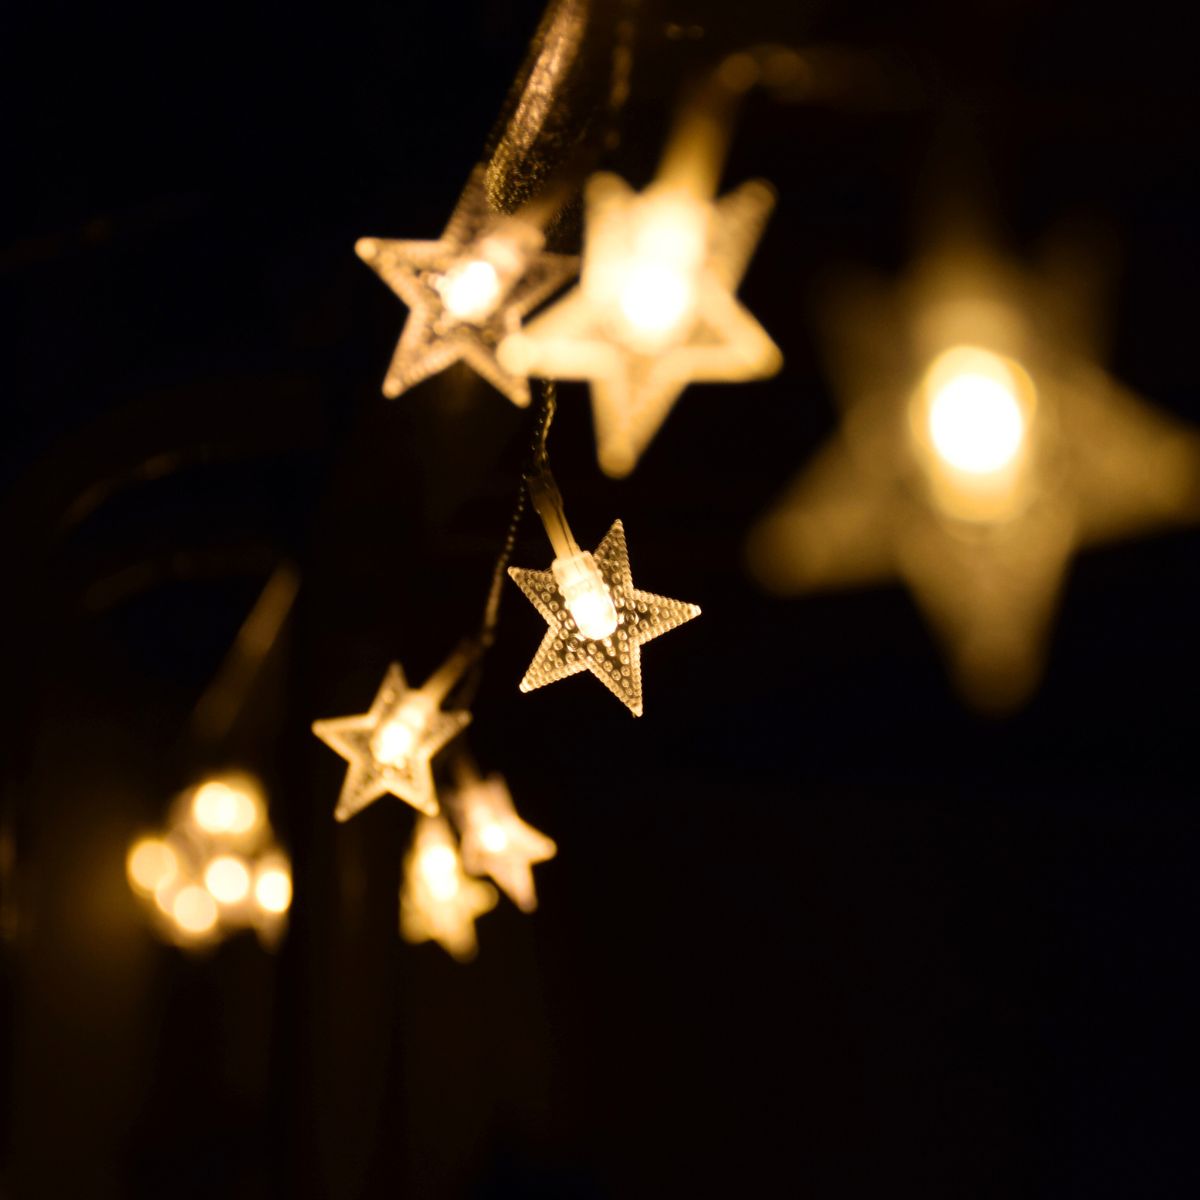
{"points": [[227, 878], [390, 748], [223, 806], [438, 901], [470, 290], [496, 842], [655, 309], [1025, 451], [975, 420], [616, 660], [273, 889], [466, 291], [194, 910], [151, 864], [586, 595]]}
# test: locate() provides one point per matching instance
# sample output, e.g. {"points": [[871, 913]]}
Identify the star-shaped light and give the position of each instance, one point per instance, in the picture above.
{"points": [[598, 620], [979, 449], [655, 308], [496, 842], [389, 748], [438, 900], [466, 291]]}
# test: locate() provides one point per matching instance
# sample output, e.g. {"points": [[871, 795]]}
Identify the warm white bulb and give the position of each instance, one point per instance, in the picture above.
{"points": [[227, 879], [586, 595], [492, 837], [976, 423], [397, 737], [194, 910], [273, 890], [655, 298], [470, 290], [151, 864], [439, 868]]}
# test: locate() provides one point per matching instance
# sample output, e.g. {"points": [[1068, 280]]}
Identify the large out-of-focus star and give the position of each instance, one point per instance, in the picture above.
{"points": [[390, 747], [615, 660], [655, 308], [438, 901], [984, 551], [496, 842], [466, 291]]}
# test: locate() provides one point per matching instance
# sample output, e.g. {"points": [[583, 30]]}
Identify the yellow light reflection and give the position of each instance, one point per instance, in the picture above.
{"points": [[227, 806], [151, 864], [273, 889]]}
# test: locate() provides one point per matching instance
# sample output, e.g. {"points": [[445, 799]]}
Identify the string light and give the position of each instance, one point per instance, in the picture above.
{"points": [[496, 842], [390, 747], [438, 900], [598, 620], [467, 290], [978, 481], [654, 310]]}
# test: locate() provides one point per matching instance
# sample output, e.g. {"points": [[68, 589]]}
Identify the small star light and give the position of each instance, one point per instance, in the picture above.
{"points": [[466, 291], [655, 307], [979, 449], [598, 620], [438, 901], [390, 747], [496, 842]]}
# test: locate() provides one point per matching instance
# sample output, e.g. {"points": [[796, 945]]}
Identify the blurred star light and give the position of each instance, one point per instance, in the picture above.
{"points": [[391, 746], [438, 900], [980, 448], [496, 842], [466, 291], [598, 620]]}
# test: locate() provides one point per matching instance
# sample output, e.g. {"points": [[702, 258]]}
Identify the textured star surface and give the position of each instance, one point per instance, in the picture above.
{"points": [[616, 660], [1104, 465], [433, 338], [411, 778], [633, 392], [438, 901], [496, 842]]}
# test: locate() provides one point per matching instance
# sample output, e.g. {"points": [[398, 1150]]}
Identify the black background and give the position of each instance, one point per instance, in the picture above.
{"points": [[814, 928]]}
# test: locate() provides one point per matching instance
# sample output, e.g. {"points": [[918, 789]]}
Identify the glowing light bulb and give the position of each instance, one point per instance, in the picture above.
{"points": [[227, 879], [654, 299], [492, 837], [616, 659], [470, 290], [227, 805], [397, 737], [976, 423], [586, 595], [273, 889], [151, 865], [194, 910], [439, 869]]}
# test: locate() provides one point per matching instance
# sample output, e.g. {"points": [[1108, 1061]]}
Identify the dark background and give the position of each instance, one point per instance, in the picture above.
{"points": [[814, 928]]}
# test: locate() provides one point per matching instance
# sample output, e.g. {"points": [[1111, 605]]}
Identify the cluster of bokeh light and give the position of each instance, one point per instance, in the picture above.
{"points": [[215, 869]]}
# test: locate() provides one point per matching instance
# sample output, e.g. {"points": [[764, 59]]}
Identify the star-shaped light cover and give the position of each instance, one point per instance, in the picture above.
{"points": [[466, 291], [215, 869], [438, 900], [655, 308], [496, 842], [979, 448], [597, 593], [390, 747]]}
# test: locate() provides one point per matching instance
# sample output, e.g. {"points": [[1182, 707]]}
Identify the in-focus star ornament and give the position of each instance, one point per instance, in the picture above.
{"points": [[390, 747], [980, 448], [438, 900], [615, 660], [466, 291], [655, 308], [496, 842]]}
